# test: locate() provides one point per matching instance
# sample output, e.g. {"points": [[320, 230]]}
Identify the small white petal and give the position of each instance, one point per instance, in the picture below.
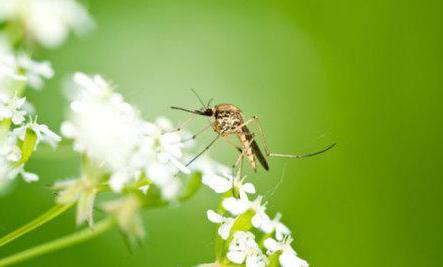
{"points": [[271, 245], [237, 257], [217, 183], [29, 177], [224, 230], [214, 217], [248, 188], [235, 206], [291, 260]]}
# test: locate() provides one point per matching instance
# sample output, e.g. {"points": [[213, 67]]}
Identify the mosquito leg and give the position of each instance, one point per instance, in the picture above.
{"points": [[197, 133], [268, 151], [303, 155], [183, 124], [242, 155], [260, 129], [238, 148], [203, 151], [262, 134], [238, 163]]}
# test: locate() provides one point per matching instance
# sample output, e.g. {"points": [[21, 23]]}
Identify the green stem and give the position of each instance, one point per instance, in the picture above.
{"points": [[37, 222], [60, 243]]}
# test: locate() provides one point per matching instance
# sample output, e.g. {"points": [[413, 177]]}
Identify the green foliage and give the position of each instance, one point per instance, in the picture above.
{"points": [[27, 146]]}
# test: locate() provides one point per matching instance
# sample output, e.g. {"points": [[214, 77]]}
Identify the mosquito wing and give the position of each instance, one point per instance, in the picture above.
{"points": [[256, 149]]}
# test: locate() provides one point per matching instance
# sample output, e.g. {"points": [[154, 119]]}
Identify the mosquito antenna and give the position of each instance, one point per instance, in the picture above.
{"points": [[303, 155], [199, 98], [209, 102], [203, 151]]}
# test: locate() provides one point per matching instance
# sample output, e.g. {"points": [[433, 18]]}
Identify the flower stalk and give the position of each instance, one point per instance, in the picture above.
{"points": [[37, 222], [60, 243]]}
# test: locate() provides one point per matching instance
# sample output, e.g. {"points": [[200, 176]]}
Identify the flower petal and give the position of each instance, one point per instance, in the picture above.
{"points": [[217, 183], [237, 257], [214, 217], [235, 206]]}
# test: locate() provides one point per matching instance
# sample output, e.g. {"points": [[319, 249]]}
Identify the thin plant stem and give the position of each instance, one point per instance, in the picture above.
{"points": [[37, 222], [60, 243]]}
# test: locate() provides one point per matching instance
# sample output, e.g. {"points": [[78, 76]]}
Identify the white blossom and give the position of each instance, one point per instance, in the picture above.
{"points": [[260, 220], [280, 229], [222, 184], [162, 150], [126, 213], [47, 21], [244, 249], [112, 133], [165, 144], [226, 223], [12, 108], [288, 256], [35, 71], [43, 133], [9, 68], [10, 167], [83, 191], [104, 127]]}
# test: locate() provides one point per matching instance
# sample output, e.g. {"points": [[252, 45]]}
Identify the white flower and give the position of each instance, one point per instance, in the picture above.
{"points": [[35, 71], [104, 127], [226, 223], [162, 150], [83, 191], [288, 256], [280, 229], [47, 21], [222, 184], [9, 67], [165, 144], [9, 149], [10, 155], [43, 133], [126, 213], [244, 249], [11, 108], [260, 220]]}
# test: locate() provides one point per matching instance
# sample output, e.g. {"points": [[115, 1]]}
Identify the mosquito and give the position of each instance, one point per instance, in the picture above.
{"points": [[228, 120]]}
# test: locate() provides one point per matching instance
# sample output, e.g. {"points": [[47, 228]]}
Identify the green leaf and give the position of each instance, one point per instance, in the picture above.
{"points": [[191, 186], [273, 260], [27, 146], [243, 222]]}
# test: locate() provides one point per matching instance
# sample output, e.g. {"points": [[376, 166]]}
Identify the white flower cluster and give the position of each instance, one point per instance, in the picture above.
{"points": [[243, 249], [15, 73], [113, 135], [47, 22], [127, 150], [13, 138]]}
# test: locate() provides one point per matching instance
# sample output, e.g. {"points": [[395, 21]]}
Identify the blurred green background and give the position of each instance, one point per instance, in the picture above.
{"points": [[367, 74]]}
